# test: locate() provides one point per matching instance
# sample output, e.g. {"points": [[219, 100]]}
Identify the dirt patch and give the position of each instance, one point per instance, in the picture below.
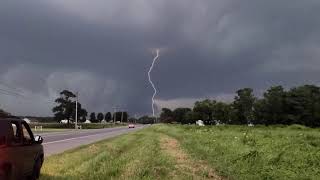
{"points": [[184, 164]]}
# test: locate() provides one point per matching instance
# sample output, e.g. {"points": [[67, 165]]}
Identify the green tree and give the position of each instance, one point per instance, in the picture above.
{"points": [[166, 115], [121, 116], [221, 112], [93, 118], [273, 103], [259, 112], [146, 120], [81, 112], [243, 105], [65, 107], [191, 117], [302, 106], [205, 108], [100, 117], [108, 116], [84, 116], [179, 114]]}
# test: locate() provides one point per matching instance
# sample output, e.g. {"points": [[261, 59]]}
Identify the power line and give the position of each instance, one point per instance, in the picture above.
{"points": [[10, 87], [11, 92]]}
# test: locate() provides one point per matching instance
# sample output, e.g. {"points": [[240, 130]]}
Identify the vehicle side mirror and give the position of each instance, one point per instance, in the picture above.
{"points": [[38, 139]]}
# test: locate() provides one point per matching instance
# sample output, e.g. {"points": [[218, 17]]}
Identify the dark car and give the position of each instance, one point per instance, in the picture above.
{"points": [[21, 154]]}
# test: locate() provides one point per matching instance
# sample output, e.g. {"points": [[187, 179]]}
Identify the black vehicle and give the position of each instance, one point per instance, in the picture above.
{"points": [[21, 154]]}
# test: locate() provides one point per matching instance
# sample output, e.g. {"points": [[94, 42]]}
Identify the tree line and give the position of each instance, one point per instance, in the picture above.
{"points": [[298, 105], [66, 110]]}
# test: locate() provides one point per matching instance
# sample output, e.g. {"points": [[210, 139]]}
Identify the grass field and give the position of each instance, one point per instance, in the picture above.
{"points": [[189, 152]]}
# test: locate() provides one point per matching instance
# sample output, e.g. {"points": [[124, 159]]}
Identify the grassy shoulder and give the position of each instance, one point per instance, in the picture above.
{"points": [[190, 152], [145, 154]]}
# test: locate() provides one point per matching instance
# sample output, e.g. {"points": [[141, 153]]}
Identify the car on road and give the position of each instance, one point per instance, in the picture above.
{"points": [[21, 154], [131, 126]]}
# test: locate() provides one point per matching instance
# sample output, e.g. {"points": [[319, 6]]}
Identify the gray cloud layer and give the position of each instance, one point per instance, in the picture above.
{"points": [[102, 49]]}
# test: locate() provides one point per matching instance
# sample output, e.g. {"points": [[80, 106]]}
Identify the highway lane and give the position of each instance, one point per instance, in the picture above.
{"points": [[54, 143]]}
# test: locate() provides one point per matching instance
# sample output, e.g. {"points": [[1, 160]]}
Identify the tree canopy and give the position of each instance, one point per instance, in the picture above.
{"points": [[66, 108], [298, 105]]}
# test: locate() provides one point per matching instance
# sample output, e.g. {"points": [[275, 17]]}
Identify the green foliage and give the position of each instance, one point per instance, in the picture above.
{"points": [[93, 117], [146, 120], [166, 115], [243, 104], [299, 105], [108, 116], [121, 116], [206, 109], [100, 117], [66, 108]]}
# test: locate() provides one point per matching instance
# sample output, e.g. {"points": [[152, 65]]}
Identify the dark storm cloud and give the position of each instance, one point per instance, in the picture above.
{"points": [[103, 50]]}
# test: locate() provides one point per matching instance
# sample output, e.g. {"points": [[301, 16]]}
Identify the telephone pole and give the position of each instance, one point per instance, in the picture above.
{"points": [[76, 125], [115, 113]]}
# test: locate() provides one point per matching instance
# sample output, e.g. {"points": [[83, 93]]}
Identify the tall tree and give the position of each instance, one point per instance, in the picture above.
{"points": [[100, 117], [64, 108], [81, 112], [191, 117], [302, 106], [166, 115], [84, 117], [125, 116], [274, 105], [221, 112], [205, 108], [260, 112], [93, 117], [243, 104], [108, 116], [179, 114]]}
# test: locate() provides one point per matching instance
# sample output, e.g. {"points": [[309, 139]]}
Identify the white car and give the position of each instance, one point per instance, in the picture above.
{"points": [[131, 126]]}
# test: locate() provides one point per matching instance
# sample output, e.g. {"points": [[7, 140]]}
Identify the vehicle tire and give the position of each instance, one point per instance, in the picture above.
{"points": [[36, 169]]}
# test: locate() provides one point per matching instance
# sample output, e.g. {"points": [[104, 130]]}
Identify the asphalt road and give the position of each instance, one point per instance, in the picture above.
{"points": [[54, 143]]}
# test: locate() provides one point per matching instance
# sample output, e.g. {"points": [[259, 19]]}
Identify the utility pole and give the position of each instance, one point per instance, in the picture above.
{"points": [[76, 118], [76, 111], [121, 115], [114, 114], [136, 117]]}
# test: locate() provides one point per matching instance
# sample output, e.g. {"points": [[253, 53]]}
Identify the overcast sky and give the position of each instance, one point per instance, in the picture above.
{"points": [[102, 48]]}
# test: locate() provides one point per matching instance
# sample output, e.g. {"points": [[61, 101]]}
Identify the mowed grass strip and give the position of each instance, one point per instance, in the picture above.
{"points": [[240, 152], [133, 156], [185, 167]]}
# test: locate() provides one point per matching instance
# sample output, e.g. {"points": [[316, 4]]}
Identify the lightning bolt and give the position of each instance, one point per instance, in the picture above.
{"points": [[153, 86]]}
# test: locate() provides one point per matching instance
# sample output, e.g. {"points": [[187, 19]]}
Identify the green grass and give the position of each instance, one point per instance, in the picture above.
{"points": [[132, 156], [234, 152], [240, 152]]}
